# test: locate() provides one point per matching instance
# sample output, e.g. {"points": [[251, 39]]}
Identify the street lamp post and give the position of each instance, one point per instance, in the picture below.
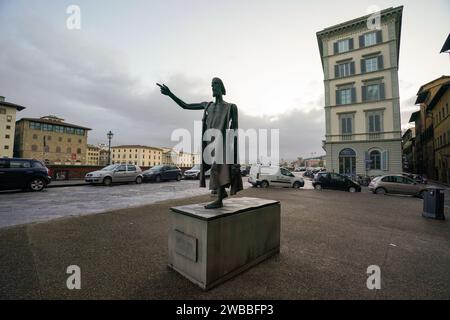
{"points": [[109, 135]]}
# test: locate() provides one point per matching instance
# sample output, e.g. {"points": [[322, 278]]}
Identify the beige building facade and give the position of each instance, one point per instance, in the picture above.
{"points": [[92, 155], [180, 159], [7, 127], [432, 125], [97, 155], [51, 140], [103, 157], [143, 156], [362, 100]]}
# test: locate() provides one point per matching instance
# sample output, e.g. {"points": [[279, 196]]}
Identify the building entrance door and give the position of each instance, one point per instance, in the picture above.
{"points": [[347, 162]]}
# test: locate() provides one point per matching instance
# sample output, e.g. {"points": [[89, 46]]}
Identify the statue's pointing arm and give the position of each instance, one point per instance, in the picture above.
{"points": [[190, 106]]}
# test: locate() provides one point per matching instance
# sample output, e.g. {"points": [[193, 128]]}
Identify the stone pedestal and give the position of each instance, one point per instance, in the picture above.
{"points": [[210, 246]]}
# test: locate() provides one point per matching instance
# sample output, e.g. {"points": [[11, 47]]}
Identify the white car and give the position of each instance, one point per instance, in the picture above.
{"points": [[115, 173], [265, 176]]}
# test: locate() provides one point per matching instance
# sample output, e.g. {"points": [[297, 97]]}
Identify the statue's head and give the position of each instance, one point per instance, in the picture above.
{"points": [[218, 88]]}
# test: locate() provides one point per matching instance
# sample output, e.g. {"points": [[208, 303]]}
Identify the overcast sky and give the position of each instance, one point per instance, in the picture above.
{"points": [[103, 76]]}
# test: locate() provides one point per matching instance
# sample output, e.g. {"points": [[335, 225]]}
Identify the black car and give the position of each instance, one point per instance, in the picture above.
{"points": [[17, 173], [329, 180], [245, 170], [162, 173]]}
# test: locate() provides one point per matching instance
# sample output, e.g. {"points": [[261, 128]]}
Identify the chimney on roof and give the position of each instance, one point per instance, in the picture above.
{"points": [[2, 99]]}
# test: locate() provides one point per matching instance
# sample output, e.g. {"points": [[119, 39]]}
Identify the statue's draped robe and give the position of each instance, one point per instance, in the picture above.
{"points": [[225, 173]]}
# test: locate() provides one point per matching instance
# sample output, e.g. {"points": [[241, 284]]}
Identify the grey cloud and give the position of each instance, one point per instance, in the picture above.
{"points": [[53, 73]]}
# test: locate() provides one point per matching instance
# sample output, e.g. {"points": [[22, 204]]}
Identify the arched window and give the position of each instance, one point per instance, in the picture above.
{"points": [[347, 153], [375, 157]]}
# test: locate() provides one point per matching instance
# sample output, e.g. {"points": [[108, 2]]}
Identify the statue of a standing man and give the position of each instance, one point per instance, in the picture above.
{"points": [[221, 116]]}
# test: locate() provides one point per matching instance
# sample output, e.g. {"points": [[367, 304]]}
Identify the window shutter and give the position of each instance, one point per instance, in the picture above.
{"points": [[364, 93], [338, 98], [363, 66], [353, 95], [385, 161], [343, 126], [361, 41], [350, 44], [336, 71], [382, 92], [335, 47], [352, 68], [371, 126], [366, 158], [349, 125], [379, 36], [380, 63]]}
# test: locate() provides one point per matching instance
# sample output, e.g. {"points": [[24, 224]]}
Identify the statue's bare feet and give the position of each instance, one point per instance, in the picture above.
{"points": [[214, 205]]}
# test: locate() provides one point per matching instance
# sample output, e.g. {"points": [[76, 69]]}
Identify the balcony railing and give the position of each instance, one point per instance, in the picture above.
{"points": [[364, 136], [346, 137], [375, 136]]}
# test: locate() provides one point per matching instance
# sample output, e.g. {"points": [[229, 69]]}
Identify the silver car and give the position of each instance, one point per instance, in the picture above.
{"points": [[398, 184], [115, 173]]}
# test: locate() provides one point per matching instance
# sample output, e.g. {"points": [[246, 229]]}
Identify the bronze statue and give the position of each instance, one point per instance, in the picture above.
{"points": [[219, 115]]}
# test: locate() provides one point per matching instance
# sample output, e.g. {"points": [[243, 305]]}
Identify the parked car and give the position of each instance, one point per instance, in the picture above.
{"points": [[319, 174], [309, 174], [335, 181], [25, 174], [115, 173], [163, 173], [265, 176], [398, 184], [245, 170], [193, 173], [416, 177]]}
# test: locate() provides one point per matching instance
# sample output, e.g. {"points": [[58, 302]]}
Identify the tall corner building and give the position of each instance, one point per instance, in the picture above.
{"points": [[362, 101]]}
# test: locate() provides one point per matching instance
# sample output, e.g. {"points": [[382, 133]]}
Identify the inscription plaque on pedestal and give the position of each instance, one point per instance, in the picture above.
{"points": [[209, 246]]}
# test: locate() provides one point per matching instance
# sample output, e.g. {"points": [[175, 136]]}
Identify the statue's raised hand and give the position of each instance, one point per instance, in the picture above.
{"points": [[164, 89]]}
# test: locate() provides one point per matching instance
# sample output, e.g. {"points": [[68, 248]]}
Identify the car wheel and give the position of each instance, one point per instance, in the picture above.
{"points": [[352, 189], [139, 180], [297, 185], [179, 177], [158, 178], [380, 191], [264, 184], [37, 184], [318, 187], [107, 181]]}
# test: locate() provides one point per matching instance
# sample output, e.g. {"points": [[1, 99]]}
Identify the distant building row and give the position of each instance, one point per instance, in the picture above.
{"points": [[426, 146], [54, 141]]}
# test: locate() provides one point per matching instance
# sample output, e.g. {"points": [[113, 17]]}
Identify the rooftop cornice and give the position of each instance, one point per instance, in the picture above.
{"points": [[348, 25]]}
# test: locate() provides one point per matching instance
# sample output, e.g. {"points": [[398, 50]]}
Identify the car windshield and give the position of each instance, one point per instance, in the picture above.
{"points": [[156, 168], [196, 167], [110, 167]]}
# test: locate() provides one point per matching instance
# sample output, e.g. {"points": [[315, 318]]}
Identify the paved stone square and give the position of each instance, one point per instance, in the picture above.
{"points": [[25, 207], [328, 240]]}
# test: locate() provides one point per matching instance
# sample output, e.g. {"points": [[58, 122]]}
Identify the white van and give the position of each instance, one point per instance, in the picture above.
{"points": [[265, 176]]}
